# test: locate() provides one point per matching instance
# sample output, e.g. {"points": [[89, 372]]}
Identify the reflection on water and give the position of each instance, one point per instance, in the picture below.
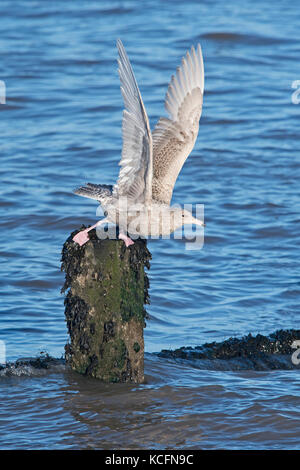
{"points": [[61, 127]]}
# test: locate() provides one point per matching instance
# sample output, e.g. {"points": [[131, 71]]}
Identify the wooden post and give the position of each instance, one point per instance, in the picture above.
{"points": [[104, 307]]}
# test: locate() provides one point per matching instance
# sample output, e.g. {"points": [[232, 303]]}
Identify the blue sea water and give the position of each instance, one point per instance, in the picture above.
{"points": [[61, 127]]}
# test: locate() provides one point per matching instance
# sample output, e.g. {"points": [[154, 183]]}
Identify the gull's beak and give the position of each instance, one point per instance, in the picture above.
{"points": [[198, 222]]}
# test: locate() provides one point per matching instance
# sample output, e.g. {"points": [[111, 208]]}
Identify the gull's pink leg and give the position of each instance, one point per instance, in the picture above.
{"points": [[82, 237], [126, 239]]}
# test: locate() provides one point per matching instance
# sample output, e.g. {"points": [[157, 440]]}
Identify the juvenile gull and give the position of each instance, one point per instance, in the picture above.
{"points": [[151, 163]]}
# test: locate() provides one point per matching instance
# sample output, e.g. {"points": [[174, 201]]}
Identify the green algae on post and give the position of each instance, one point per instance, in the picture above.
{"points": [[104, 307]]}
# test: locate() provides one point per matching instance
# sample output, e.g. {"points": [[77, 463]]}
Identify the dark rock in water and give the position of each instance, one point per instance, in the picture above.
{"points": [[250, 352], [31, 366], [104, 307], [44, 361]]}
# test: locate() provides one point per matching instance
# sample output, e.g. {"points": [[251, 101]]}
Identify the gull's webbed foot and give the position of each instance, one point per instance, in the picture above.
{"points": [[82, 237], [126, 239]]}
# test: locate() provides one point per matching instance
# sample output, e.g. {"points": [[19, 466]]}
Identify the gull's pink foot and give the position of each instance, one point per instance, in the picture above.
{"points": [[126, 239], [82, 237]]}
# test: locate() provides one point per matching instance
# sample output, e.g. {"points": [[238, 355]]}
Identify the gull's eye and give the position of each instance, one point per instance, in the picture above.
{"points": [[183, 216]]}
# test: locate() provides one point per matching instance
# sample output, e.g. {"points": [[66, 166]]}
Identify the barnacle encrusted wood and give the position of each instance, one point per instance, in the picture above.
{"points": [[104, 307]]}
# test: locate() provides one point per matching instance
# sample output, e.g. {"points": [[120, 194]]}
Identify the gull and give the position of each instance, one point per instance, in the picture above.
{"points": [[139, 202]]}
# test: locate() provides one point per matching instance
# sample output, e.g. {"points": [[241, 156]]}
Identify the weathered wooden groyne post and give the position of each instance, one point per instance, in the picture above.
{"points": [[104, 307]]}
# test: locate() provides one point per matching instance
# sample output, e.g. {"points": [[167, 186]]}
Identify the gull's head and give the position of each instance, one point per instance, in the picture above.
{"points": [[188, 219], [185, 217]]}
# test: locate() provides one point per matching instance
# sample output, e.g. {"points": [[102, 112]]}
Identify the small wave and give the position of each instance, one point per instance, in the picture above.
{"points": [[268, 362], [242, 38]]}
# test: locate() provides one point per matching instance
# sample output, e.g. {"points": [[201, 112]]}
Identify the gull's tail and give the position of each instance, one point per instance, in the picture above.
{"points": [[95, 191]]}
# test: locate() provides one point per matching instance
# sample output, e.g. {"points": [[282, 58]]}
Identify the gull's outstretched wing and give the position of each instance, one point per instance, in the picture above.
{"points": [[135, 177], [174, 138]]}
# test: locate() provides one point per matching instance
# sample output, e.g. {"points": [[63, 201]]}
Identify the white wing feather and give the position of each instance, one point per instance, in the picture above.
{"points": [[135, 177], [174, 138]]}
